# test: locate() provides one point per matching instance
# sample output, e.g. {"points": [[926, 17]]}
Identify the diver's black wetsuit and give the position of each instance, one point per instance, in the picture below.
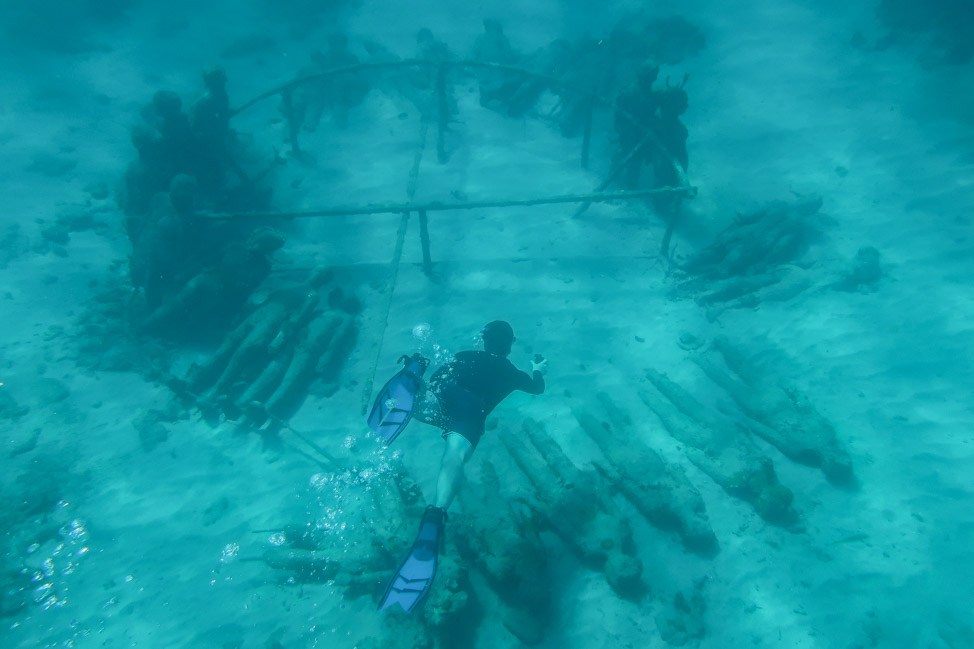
{"points": [[470, 386]]}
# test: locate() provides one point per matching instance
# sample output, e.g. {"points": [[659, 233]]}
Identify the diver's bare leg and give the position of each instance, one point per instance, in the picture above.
{"points": [[456, 453]]}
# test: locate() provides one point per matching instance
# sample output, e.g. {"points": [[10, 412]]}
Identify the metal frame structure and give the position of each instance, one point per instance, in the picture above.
{"points": [[422, 209], [442, 69]]}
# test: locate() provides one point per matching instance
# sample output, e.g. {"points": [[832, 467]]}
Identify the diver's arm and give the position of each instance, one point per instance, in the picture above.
{"points": [[537, 383], [534, 383]]}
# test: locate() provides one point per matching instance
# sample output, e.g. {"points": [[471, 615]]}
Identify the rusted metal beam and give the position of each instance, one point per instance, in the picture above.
{"points": [[449, 206]]}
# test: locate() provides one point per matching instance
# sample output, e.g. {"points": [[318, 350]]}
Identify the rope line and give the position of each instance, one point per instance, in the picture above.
{"points": [[396, 259]]}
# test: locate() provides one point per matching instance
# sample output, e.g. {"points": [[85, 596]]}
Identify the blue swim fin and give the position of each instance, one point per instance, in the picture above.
{"points": [[415, 576], [393, 407]]}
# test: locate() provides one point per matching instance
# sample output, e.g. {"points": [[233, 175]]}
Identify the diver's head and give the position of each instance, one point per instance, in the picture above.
{"points": [[493, 26], [265, 240], [647, 73], [424, 37], [498, 337], [215, 78]]}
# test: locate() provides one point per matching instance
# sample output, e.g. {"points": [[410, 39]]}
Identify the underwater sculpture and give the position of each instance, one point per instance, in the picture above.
{"points": [[758, 257], [306, 105], [863, 274], [383, 505], [492, 46], [193, 274], [379, 504], [721, 450], [343, 552], [214, 140], [780, 414], [269, 361], [583, 68], [216, 294], [574, 504], [780, 284], [636, 110], [520, 93], [167, 242], [659, 491], [432, 85], [306, 555], [670, 161], [163, 141], [170, 141], [503, 544], [376, 502]]}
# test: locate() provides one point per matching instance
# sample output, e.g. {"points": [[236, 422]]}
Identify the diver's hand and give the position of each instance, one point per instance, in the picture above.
{"points": [[539, 364]]}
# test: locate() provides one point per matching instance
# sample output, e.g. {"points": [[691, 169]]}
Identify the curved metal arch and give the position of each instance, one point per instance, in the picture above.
{"points": [[646, 131], [415, 63]]}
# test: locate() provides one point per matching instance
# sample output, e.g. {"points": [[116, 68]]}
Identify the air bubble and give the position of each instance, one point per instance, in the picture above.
{"points": [[43, 591], [277, 539], [230, 552], [422, 331]]}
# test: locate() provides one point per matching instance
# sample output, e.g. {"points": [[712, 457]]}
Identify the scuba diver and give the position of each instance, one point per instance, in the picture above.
{"points": [[458, 398]]}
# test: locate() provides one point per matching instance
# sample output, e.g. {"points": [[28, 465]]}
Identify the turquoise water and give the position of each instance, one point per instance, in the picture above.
{"points": [[223, 225]]}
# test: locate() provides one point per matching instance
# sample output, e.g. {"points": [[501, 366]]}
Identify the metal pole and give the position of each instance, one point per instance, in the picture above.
{"points": [[424, 240], [390, 294], [452, 206], [613, 173], [443, 112], [664, 246], [287, 101], [587, 132]]}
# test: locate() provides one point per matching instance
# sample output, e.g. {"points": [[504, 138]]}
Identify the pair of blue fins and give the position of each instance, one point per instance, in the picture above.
{"points": [[390, 414]]}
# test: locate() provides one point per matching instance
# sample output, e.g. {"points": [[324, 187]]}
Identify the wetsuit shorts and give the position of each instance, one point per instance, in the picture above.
{"points": [[455, 410]]}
